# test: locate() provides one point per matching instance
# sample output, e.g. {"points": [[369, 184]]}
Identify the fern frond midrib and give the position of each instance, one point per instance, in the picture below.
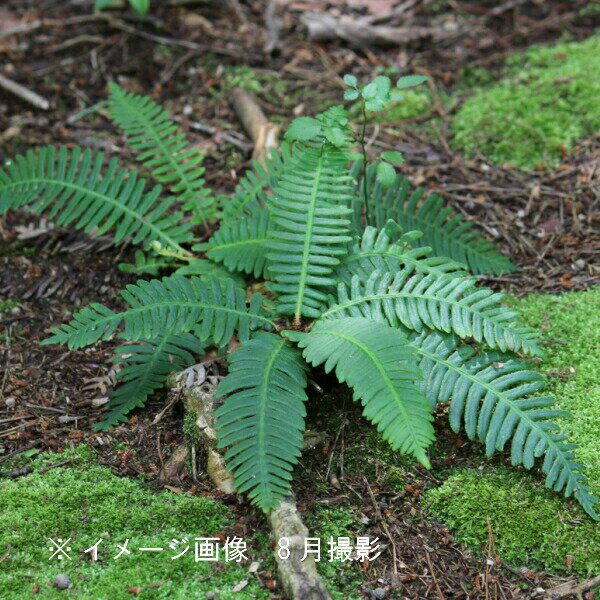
{"points": [[149, 307], [417, 263], [165, 149], [389, 383], [499, 395], [392, 295], [308, 239], [105, 198], [263, 409], [248, 242]]}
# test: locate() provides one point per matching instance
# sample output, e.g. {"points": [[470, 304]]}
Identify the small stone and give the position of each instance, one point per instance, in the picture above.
{"points": [[211, 596], [579, 264], [10, 402], [379, 594], [62, 581]]}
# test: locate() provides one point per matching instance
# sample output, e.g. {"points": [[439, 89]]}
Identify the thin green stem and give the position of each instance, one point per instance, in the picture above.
{"points": [[364, 166]]}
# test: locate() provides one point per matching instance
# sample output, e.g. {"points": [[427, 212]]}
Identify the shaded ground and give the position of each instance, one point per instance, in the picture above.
{"points": [[543, 220]]}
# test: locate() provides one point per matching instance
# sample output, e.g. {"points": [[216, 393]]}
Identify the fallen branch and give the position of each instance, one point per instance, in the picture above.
{"points": [[263, 133], [299, 578], [571, 588], [22, 92], [360, 31]]}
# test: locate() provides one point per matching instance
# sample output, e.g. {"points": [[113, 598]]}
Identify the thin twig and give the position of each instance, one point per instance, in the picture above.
{"points": [[24, 93]]}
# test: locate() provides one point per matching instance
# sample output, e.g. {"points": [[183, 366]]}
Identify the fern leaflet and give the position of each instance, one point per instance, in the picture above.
{"points": [[147, 366], [376, 361], [163, 147], [241, 245], [450, 304], [492, 394], [309, 231], [376, 251], [215, 310], [72, 185], [443, 229], [251, 193], [263, 417]]}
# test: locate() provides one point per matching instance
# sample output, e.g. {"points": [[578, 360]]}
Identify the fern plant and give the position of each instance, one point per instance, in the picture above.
{"points": [[347, 287]]}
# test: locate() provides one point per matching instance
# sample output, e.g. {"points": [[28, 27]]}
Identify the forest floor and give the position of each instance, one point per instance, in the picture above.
{"points": [[545, 219]]}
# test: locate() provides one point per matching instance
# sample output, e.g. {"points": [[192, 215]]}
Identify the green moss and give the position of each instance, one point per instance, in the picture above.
{"points": [[547, 101], [7, 305], [534, 526], [343, 579], [571, 324], [86, 502]]}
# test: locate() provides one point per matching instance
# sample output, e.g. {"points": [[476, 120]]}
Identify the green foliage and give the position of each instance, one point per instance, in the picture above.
{"points": [[87, 196], [496, 397], [444, 302], [162, 148], [214, 310], [444, 230], [263, 417], [308, 229], [146, 366], [141, 7], [376, 250], [546, 102], [377, 363], [351, 295], [242, 245]]}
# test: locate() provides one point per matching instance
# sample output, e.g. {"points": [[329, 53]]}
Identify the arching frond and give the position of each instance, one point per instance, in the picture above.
{"points": [[251, 193], [444, 230], [215, 310], [263, 417], [78, 191], [375, 251], [494, 395], [241, 245], [309, 231], [450, 304], [162, 146], [376, 361], [147, 366]]}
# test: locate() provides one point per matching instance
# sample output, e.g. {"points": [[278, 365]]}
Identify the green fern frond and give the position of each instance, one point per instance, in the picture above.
{"points": [[80, 192], [376, 361], [162, 145], [241, 245], [308, 229], [443, 229], [207, 269], [146, 264], [147, 366], [450, 304], [215, 310], [375, 251], [251, 193], [263, 417], [494, 395]]}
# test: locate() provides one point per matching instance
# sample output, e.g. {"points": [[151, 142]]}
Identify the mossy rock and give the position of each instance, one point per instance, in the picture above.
{"points": [[547, 101], [533, 526]]}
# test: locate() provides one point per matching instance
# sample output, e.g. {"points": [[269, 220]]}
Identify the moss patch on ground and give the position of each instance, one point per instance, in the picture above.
{"points": [[87, 502], [547, 101], [533, 526]]}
